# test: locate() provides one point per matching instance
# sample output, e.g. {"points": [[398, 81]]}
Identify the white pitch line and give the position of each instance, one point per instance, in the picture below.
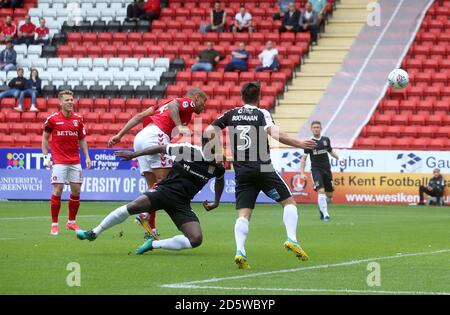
{"points": [[47, 217], [310, 290], [342, 264]]}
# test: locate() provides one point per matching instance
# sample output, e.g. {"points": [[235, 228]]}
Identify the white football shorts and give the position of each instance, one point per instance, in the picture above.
{"points": [[147, 137], [67, 173]]}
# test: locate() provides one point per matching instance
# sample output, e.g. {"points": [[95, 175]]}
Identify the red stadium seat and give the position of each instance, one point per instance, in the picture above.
{"points": [[88, 37], [133, 103], [74, 38]]}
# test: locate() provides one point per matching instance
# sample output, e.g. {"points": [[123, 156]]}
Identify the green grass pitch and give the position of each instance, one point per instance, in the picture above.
{"points": [[410, 244]]}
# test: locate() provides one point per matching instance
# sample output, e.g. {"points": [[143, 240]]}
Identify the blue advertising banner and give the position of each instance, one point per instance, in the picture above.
{"points": [[98, 185], [28, 159]]}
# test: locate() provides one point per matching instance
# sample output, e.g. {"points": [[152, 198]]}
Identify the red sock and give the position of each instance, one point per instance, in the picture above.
{"points": [[152, 219], [55, 205], [74, 204]]}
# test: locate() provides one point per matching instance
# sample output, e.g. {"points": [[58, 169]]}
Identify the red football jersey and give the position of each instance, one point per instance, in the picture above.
{"points": [[9, 30], [27, 28], [162, 119], [42, 32], [66, 133]]}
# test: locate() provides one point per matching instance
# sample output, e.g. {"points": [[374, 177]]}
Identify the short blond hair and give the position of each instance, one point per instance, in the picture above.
{"points": [[65, 92]]}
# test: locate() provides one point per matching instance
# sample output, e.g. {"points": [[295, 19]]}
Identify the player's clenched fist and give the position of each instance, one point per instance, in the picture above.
{"points": [[47, 162], [113, 141], [308, 144], [209, 205]]}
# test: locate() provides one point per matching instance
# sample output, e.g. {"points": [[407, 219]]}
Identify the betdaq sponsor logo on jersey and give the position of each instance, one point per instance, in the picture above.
{"points": [[67, 133]]}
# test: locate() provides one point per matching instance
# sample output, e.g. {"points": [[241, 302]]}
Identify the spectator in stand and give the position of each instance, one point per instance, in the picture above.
{"points": [[25, 35], [320, 6], [41, 35], [207, 59], [308, 22], [242, 21], [16, 86], [218, 18], [290, 20], [435, 189], [268, 58], [140, 10], [283, 8], [239, 60], [9, 30], [8, 58], [32, 89]]}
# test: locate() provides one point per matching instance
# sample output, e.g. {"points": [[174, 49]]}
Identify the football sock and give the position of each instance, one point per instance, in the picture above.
{"points": [[290, 218], [116, 217], [55, 206], [175, 243], [240, 234], [74, 204], [322, 201], [152, 220]]}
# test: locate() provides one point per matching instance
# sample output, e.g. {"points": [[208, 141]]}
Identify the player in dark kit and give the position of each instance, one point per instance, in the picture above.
{"points": [[320, 169], [191, 170], [248, 128]]}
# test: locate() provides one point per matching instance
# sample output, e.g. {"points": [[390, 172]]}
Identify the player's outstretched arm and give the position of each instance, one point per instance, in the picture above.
{"points": [[218, 188], [174, 111], [128, 155], [44, 146], [334, 154], [303, 165], [284, 138], [137, 119], [85, 149]]}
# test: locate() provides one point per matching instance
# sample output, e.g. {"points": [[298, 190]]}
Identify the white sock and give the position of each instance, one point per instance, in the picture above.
{"points": [[175, 243], [290, 219], [116, 217], [323, 206], [240, 234]]}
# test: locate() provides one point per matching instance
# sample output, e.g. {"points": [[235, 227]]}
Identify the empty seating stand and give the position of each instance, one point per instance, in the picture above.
{"points": [[418, 117]]}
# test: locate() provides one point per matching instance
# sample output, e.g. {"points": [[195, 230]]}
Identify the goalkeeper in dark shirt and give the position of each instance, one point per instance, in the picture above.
{"points": [[435, 187]]}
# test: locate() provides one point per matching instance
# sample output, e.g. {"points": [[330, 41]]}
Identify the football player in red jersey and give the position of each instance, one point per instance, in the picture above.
{"points": [[68, 134], [160, 126]]}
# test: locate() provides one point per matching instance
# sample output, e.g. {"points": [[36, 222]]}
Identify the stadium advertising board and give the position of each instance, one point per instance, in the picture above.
{"points": [[361, 176], [365, 177], [100, 185], [366, 188], [28, 159], [366, 161]]}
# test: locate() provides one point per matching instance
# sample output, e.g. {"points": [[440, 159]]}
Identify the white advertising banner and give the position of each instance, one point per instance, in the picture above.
{"points": [[368, 161]]}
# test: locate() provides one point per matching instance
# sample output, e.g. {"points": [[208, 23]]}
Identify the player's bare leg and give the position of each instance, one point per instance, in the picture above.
{"points": [[145, 219], [74, 205], [241, 228], [191, 238], [323, 204], [139, 205], [290, 220], [55, 206]]}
